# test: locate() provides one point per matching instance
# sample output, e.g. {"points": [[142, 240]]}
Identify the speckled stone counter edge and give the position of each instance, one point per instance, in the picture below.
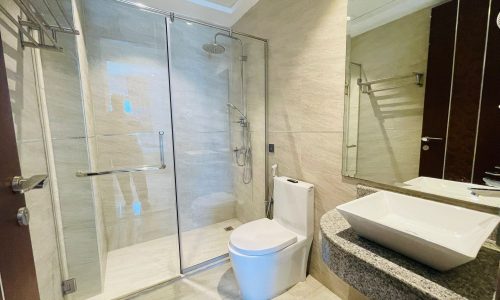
{"points": [[374, 276]]}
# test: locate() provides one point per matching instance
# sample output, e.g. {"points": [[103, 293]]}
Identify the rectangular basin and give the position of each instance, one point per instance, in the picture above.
{"points": [[439, 235], [452, 189]]}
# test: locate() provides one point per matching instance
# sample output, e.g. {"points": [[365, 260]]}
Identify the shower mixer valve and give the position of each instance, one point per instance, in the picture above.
{"points": [[242, 121]]}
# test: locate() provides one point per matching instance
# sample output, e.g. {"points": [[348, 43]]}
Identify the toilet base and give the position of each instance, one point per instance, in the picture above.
{"points": [[267, 276]]}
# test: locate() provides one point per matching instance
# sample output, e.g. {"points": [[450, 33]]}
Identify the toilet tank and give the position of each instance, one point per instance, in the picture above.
{"points": [[294, 205]]}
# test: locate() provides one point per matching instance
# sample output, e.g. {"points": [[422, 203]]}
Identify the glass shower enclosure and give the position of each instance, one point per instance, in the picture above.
{"points": [[159, 138]]}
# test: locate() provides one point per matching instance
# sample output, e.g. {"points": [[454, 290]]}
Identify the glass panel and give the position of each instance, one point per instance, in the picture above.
{"points": [[250, 194], [219, 148], [79, 207]]}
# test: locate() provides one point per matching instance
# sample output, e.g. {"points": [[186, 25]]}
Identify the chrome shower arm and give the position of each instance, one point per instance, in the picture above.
{"points": [[230, 37]]}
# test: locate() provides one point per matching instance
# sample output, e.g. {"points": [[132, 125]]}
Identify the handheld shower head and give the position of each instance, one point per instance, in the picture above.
{"points": [[230, 105]]}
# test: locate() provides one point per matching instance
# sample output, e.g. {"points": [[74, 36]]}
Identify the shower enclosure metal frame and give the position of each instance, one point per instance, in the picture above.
{"points": [[171, 16]]}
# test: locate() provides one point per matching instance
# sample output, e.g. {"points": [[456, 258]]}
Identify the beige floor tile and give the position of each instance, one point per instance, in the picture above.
{"points": [[220, 283]]}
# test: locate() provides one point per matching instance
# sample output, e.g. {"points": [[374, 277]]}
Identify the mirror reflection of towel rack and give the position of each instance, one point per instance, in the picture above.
{"points": [[36, 22], [366, 87], [130, 170]]}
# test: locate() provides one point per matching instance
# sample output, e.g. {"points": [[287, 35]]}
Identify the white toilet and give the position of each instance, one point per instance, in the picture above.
{"points": [[270, 256]]}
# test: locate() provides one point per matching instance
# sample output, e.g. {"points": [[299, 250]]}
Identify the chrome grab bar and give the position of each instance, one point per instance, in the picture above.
{"points": [[130, 170]]}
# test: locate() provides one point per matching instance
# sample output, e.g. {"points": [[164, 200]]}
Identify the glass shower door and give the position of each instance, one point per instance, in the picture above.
{"points": [[200, 93], [128, 68], [219, 123]]}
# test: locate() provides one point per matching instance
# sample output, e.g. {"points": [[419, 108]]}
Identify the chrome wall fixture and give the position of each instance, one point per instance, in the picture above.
{"points": [[35, 30], [131, 170], [22, 185], [366, 87]]}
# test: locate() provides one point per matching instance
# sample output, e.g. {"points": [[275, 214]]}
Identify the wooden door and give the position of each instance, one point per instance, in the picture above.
{"points": [[437, 90], [17, 267], [466, 94], [488, 137]]}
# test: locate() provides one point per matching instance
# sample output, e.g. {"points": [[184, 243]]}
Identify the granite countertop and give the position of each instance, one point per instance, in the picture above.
{"points": [[381, 273]]}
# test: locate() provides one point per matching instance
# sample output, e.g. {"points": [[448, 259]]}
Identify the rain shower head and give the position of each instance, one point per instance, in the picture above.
{"points": [[214, 48]]}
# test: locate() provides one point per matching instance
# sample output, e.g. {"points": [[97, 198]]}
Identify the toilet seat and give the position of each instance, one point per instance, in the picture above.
{"points": [[261, 237]]}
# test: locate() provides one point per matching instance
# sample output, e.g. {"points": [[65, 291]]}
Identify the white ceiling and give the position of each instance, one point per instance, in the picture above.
{"points": [[220, 12], [365, 15], [227, 3]]}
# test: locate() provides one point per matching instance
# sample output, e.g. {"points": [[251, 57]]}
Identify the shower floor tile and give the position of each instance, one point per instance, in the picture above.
{"points": [[207, 242], [146, 264]]}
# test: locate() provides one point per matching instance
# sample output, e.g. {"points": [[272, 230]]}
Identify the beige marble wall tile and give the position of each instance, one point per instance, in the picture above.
{"points": [[62, 84], [306, 97], [21, 81]]}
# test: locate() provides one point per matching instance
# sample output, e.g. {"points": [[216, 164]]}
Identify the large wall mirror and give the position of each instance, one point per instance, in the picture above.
{"points": [[422, 95]]}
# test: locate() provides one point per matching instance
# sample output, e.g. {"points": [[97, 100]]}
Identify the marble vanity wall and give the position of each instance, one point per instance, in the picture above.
{"points": [[30, 143], [306, 103], [390, 122]]}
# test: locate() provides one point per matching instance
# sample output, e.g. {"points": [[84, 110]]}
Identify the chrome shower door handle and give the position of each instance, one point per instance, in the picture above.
{"points": [[429, 138], [22, 185]]}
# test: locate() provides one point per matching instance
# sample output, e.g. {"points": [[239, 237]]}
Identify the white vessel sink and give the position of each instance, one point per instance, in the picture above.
{"points": [[452, 189], [439, 235]]}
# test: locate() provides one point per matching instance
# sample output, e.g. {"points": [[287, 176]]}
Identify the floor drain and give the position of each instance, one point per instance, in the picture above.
{"points": [[228, 228]]}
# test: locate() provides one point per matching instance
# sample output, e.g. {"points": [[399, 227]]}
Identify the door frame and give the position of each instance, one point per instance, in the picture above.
{"points": [[17, 265]]}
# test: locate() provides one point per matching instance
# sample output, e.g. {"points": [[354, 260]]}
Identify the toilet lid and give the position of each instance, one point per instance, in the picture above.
{"points": [[261, 237]]}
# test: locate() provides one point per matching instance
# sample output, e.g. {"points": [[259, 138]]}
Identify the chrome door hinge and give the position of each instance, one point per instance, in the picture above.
{"points": [[69, 286]]}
